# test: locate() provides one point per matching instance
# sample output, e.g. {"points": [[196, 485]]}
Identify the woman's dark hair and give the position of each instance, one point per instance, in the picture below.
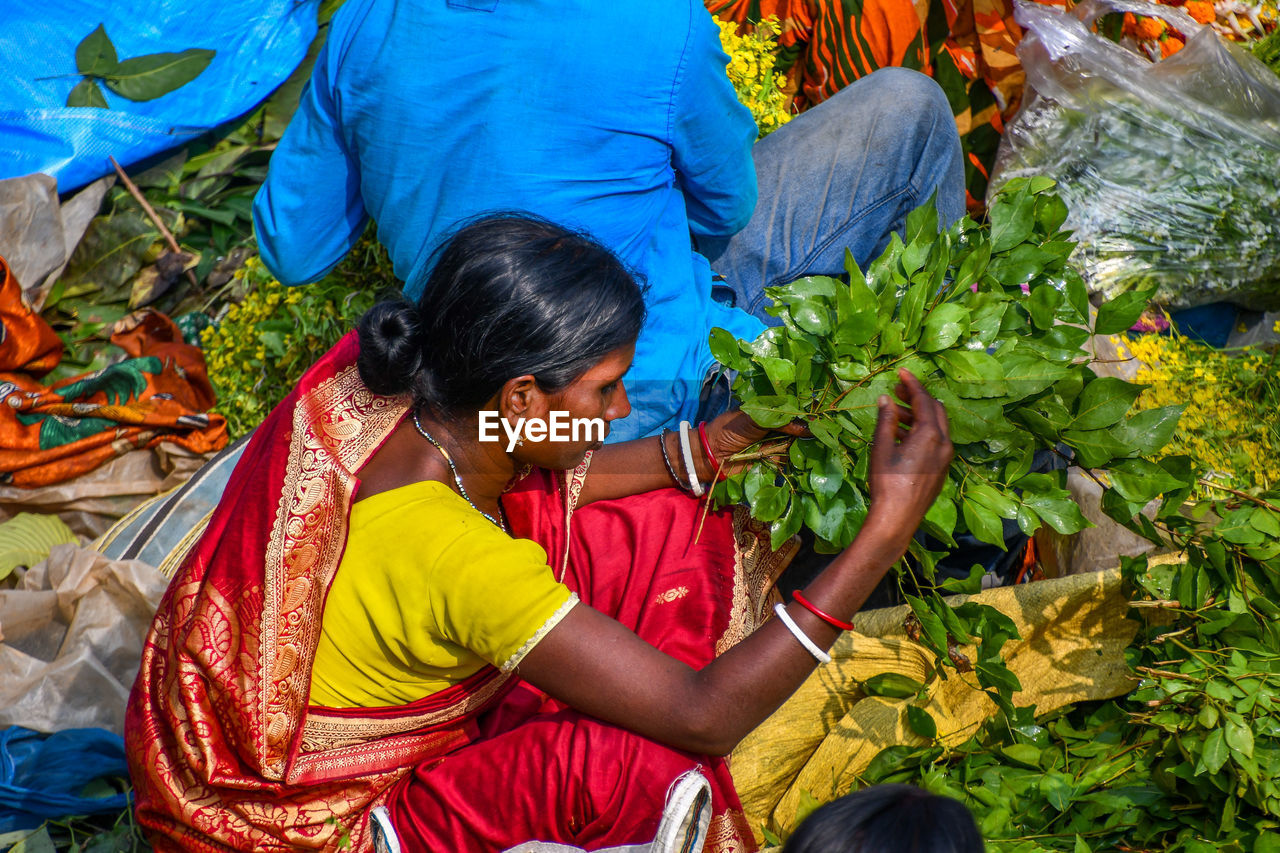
{"points": [[888, 819], [509, 295]]}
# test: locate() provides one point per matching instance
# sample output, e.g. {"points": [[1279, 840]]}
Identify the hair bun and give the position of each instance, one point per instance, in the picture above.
{"points": [[390, 347]]}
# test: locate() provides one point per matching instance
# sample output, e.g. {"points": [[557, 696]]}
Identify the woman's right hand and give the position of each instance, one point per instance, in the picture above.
{"points": [[910, 456]]}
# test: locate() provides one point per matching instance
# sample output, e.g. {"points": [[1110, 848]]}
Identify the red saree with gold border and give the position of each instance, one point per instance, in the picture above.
{"points": [[227, 754]]}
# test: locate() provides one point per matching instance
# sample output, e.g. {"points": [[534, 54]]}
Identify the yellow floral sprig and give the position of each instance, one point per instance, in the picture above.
{"points": [[759, 87], [261, 345], [1232, 421]]}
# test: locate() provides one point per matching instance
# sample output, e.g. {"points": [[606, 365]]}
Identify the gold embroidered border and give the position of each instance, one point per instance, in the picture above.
{"points": [[574, 481], [552, 621], [323, 731], [729, 833], [756, 568], [335, 429]]}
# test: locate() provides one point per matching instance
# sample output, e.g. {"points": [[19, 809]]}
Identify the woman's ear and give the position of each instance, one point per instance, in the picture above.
{"points": [[521, 398]]}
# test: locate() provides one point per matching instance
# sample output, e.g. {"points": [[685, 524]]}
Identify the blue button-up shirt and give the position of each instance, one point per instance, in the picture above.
{"points": [[614, 118]]}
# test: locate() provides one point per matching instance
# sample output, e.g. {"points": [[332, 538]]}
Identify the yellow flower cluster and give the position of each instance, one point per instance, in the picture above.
{"points": [[262, 344], [751, 61], [1232, 421]]}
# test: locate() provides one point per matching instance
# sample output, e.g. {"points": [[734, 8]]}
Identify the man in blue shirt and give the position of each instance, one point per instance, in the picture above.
{"points": [[617, 119]]}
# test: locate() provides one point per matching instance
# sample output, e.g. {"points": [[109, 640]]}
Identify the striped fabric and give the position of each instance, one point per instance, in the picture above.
{"points": [[966, 45]]}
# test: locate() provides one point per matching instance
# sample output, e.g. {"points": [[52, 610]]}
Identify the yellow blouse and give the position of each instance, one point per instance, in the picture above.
{"points": [[428, 591]]}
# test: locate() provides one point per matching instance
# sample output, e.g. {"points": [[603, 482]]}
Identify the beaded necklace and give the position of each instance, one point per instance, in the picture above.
{"points": [[454, 468]]}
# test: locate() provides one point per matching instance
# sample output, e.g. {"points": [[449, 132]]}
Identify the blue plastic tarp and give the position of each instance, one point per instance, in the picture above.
{"points": [[42, 776], [258, 44]]}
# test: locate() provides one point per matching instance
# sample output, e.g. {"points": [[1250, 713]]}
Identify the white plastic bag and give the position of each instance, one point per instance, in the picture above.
{"points": [[1170, 170]]}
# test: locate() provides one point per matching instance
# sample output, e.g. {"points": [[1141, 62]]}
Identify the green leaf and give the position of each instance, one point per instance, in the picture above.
{"points": [[1238, 737], [911, 311], [1061, 513], [1104, 402], [828, 477], [996, 675], [972, 585], [827, 523], [1022, 753], [943, 327], [1051, 212], [894, 685], [95, 56], [725, 349], [1056, 790], [973, 267], [145, 78], [1043, 305], [87, 94], [1215, 752], [787, 526], [1027, 374], [1012, 217], [781, 373], [766, 412], [1151, 430], [970, 419], [1140, 480], [859, 317], [1096, 447], [1120, 313], [973, 373], [983, 523], [922, 722]]}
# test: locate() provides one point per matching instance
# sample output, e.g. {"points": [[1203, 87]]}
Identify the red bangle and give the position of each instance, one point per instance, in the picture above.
{"points": [[825, 617], [711, 457]]}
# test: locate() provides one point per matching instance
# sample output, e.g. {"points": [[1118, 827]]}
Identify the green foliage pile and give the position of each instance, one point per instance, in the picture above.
{"points": [[994, 321], [1188, 761], [264, 341]]}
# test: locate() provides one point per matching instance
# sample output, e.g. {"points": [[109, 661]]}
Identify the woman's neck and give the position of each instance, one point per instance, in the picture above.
{"points": [[407, 456]]}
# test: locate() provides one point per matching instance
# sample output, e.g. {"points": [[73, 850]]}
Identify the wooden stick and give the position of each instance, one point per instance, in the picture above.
{"points": [[151, 214]]}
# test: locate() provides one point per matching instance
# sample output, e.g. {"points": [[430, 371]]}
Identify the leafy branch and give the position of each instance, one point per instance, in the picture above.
{"points": [[994, 321]]}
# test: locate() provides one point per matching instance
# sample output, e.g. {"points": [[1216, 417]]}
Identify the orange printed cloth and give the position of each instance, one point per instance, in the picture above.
{"points": [[51, 433], [967, 46]]}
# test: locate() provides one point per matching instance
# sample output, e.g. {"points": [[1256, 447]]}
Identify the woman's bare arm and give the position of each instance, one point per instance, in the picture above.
{"points": [[600, 667], [632, 467]]}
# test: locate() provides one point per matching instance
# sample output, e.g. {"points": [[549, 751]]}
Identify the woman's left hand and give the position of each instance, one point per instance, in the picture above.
{"points": [[733, 432]]}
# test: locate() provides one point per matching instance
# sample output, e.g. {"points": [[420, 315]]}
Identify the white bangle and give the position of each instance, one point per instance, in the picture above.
{"points": [[695, 485], [809, 645]]}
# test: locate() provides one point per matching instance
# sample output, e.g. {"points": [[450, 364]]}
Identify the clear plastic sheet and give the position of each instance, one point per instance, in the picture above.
{"points": [[71, 638], [1170, 170]]}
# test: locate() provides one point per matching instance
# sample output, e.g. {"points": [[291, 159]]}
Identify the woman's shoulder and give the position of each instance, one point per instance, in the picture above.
{"points": [[425, 522]]}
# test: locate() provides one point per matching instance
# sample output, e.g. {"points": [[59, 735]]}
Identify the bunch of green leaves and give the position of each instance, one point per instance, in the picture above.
{"points": [[993, 320], [1173, 191], [1187, 761], [140, 78], [263, 342]]}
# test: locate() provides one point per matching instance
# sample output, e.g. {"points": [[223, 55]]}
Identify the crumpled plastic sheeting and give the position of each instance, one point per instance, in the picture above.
{"points": [[37, 234], [92, 502], [1074, 632], [71, 637]]}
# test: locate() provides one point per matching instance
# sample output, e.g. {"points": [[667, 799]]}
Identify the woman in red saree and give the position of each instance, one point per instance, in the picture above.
{"points": [[578, 691]]}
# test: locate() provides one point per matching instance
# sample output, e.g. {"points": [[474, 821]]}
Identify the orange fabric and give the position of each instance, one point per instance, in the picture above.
{"points": [[49, 434], [838, 40]]}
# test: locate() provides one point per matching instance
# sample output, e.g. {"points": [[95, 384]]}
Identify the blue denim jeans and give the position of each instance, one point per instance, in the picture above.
{"points": [[843, 174]]}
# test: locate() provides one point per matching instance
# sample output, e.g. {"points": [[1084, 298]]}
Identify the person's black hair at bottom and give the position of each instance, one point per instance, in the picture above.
{"points": [[888, 819]]}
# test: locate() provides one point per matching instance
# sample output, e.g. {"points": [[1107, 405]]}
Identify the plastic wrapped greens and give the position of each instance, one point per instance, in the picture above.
{"points": [[1170, 170]]}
